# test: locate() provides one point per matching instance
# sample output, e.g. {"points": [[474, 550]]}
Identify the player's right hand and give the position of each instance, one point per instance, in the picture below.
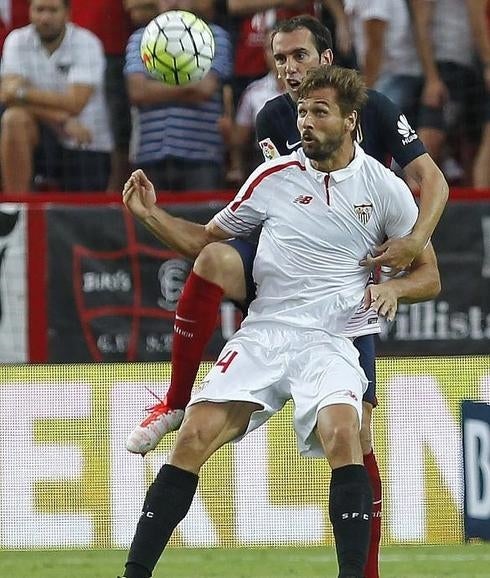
{"points": [[139, 195]]}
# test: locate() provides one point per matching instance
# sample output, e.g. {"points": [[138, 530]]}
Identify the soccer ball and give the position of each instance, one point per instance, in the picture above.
{"points": [[177, 47]]}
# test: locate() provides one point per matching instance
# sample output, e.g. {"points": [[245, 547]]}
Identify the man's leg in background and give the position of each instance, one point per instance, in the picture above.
{"points": [[366, 347]]}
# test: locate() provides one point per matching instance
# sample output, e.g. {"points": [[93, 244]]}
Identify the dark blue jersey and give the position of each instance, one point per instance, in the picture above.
{"points": [[384, 132]]}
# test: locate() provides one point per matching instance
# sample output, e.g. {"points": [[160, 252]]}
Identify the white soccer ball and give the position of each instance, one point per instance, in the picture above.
{"points": [[177, 47]]}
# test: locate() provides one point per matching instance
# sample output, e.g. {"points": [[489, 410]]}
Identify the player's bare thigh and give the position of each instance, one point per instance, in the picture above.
{"points": [[206, 427], [221, 264]]}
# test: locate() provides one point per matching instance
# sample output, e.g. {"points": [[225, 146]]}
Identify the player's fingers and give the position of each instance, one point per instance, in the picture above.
{"points": [[381, 248], [368, 298], [390, 271], [367, 261], [143, 179]]}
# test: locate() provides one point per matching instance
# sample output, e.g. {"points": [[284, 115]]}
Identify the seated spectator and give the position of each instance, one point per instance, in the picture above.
{"points": [[110, 22], [386, 50], [176, 135], [55, 121]]}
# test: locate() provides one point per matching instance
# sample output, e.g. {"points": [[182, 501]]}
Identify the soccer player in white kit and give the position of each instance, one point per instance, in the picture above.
{"points": [[322, 209]]}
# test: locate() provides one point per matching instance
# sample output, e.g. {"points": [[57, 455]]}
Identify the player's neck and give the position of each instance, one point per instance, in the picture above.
{"points": [[342, 157]]}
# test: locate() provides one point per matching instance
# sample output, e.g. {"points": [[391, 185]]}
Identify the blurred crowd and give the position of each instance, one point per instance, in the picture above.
{"points": [[79, 111]]}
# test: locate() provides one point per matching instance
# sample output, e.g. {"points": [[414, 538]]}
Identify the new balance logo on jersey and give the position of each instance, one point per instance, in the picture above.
{"points": [[364, 212], [303, 200], [405, 130]]}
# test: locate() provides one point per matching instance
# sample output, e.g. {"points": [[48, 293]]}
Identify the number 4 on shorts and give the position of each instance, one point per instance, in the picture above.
{"points": [[226, 360]]}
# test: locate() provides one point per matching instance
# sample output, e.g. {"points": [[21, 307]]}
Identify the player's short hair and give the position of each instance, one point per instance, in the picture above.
{"points": [[321, 34], [350, 87]]}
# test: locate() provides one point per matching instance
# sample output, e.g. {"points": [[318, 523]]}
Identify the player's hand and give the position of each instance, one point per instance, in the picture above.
{"points": [[435, 93], [394, 255], [139, 195], [382, 298]]}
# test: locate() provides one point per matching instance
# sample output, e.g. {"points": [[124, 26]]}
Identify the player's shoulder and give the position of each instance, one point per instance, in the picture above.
{"points": [[281, 165], [382, 178], [276, 105], [378, 103]]}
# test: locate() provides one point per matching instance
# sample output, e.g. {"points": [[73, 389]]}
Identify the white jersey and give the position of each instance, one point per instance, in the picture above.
{"points": [[79, 59], [316, 229]]}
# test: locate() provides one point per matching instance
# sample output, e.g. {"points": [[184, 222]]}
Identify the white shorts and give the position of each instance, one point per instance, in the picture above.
{"points": [[270, 364]]}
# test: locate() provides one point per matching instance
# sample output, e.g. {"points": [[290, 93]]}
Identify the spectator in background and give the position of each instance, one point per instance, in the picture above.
{"points": [[53, 92], [252, 19], [451, 96], [480, 20], [245, 154], [386, 51], [176, 136], [108, 20]]}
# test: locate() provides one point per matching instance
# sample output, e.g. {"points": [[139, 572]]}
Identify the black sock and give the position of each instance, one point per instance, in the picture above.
{"points": [[167, 502], [350, 507]]}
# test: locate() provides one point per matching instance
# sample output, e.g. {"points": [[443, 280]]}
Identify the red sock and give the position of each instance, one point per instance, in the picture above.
{"points": [[371, 570], [195, 321]]}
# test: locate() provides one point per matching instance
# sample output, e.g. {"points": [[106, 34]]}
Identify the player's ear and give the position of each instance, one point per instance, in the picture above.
{"points": [[351, 121], [326, 57]]}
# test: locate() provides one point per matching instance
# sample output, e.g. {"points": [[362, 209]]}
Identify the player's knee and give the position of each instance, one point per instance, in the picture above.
{"points": [[208, 263], [220, 263], [341, 438]]}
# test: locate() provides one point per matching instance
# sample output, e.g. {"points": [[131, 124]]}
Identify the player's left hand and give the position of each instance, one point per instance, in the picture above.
{"points": [[382, 298], [394, 255]]}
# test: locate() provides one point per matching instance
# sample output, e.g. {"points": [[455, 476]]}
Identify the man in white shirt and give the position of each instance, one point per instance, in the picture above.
{"points": [[386, 50], [323, 208], [52, 89]]}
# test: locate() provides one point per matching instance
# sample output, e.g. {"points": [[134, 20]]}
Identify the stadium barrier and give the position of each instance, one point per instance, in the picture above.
{"points": [[81, 281], [66, 480]]}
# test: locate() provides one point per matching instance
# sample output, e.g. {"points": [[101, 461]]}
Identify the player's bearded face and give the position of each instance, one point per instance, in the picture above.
{"points": [[320, 146], [322, 128]]}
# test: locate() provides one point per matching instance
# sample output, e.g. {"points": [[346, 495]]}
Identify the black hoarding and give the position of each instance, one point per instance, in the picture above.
{"points": [[458, 321], [113, 288]]}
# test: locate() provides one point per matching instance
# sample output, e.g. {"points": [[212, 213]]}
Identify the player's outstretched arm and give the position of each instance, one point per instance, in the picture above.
{"points": [[399, 254], [420, 283], [184, 236]]}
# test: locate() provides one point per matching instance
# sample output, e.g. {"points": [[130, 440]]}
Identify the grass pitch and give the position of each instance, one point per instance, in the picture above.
{"points": [[459, 561]]}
